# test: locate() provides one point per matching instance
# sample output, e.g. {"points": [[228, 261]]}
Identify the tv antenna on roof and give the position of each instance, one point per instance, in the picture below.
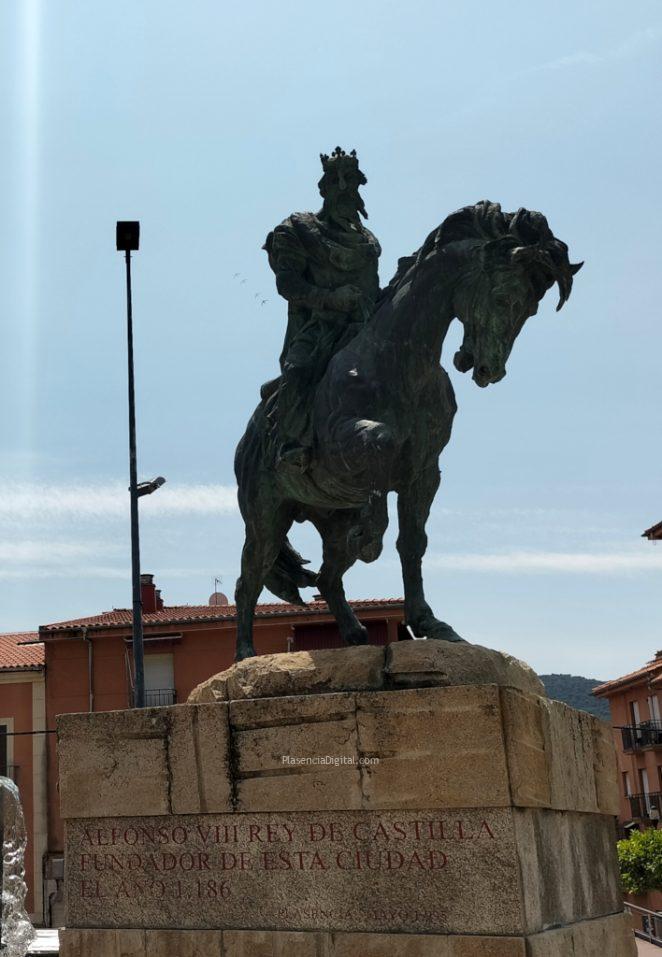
{"points": [[217, 597]]}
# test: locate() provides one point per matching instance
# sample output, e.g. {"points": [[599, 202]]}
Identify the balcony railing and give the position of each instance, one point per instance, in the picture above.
{"points": [[638, 736], [156, 698], [647, 923], [641, 805]]}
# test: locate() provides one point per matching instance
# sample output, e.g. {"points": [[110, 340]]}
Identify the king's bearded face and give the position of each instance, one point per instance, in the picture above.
{"points": [[340, 190]]}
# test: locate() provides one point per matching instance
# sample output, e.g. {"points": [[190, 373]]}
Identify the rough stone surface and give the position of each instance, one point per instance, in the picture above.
{"points": [[605, 937], [608, 937], [289, 753], [459, 746], [181, 943], [243, 943], [99, 755], [297, 673], [571, 761], [606, 768], [437, 747], [199, 760], [569, 867], [403, 664], [102, 943], [387, 945], [419, 664], [169, 760], [558, 757]]}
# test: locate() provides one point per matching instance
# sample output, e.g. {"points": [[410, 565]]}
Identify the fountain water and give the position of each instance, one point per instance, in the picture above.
{"points": [[17, 932]]}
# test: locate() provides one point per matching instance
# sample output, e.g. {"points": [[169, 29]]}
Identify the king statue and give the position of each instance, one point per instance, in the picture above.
{"points": [[326, 268]]}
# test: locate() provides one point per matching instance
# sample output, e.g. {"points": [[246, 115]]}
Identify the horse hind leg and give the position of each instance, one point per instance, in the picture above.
{"points": [[337, 559], [265, 535]]}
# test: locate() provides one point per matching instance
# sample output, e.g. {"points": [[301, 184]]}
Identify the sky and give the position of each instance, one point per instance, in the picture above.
{"points": [[205, 121]]}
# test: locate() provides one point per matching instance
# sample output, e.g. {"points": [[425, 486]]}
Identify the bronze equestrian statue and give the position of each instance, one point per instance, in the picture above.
{"points": [[372, 409]]}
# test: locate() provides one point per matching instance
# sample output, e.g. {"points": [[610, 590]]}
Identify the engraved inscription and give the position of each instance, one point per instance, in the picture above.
{"points": [[352, 870]]}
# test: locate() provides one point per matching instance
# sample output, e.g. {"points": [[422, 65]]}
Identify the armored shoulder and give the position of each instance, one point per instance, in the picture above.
{"points": [[293, 241], [372, 239], [283, 245]]}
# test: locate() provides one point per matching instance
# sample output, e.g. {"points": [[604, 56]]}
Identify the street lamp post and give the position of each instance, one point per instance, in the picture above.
{"points": [[128, 240]]}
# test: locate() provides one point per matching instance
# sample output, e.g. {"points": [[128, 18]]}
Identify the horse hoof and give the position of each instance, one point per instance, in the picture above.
{"points": [[435, 630], [357, 638]]}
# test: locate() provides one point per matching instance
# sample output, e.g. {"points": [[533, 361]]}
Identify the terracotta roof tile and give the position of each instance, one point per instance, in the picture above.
{"points": [[649, 670], [186, 614], [14, 656]]}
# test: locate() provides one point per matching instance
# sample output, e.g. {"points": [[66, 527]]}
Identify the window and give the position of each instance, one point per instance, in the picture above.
{"points": [[654, 708], [635, 719], [159, 680], [627, 791], [4, 756], [645, 788]]}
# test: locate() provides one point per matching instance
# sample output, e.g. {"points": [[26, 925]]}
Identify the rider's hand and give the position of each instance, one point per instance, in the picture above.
{"points": [[345, 299]]}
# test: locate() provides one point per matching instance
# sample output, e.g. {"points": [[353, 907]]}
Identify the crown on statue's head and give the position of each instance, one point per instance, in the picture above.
{"points": [[338, 158], [340, 163]]}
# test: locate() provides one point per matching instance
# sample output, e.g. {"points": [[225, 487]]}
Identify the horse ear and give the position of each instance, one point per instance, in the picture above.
{"points": [[575, 267]]}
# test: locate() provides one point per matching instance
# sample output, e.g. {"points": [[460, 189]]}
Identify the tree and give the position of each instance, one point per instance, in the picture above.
{"points": [[640, 861]]}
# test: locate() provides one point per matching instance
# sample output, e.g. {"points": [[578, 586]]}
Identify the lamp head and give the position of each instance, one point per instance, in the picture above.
{"points": [[127, 235]]}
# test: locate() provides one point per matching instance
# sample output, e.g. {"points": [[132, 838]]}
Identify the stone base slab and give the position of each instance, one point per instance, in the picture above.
{"points": [[605, 937], [346, 817]]}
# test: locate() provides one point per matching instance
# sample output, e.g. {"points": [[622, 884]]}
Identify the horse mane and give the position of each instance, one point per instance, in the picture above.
{"points": [[486, 223]]}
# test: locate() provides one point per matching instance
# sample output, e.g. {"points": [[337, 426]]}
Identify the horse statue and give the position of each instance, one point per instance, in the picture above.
{"points": [[383, 411]]}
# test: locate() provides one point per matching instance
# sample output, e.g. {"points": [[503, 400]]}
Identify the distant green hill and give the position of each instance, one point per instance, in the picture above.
{"points": [[576, 691]]}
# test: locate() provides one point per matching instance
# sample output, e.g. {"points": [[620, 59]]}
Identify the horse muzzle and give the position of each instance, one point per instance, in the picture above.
{"points": [[485, 375], [463, 360]]}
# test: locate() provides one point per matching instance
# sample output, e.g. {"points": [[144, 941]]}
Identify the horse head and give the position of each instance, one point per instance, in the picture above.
{"points": [[504, 263]]}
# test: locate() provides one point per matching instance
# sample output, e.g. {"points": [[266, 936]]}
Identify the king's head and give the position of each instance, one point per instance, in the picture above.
{"points": [[339, 185]]}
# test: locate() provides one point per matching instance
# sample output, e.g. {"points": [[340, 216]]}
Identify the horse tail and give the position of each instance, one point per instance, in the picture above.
{"points": [[288, 575]]}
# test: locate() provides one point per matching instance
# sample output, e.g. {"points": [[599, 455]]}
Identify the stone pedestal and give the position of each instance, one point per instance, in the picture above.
{"points": [[419, 800]]}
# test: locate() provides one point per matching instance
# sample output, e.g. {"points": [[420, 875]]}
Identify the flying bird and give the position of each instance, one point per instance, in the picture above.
{"points": [[236, 274], [263, 301], [243, 281]]}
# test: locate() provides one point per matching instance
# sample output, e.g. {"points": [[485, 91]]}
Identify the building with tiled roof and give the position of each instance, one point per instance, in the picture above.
{"points": [[190, 614], [650, 673], [17, 656], [635, 703], [22, 751]]}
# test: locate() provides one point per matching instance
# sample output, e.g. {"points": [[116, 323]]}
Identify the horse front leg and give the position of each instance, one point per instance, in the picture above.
{"points": [[414, 502]]}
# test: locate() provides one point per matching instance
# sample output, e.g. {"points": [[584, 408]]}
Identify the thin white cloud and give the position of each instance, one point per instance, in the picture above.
{"points": [[64, 571], [35, 552], [573, 59], [41, 569], [579, 563], [629, 47], [51, 503]]}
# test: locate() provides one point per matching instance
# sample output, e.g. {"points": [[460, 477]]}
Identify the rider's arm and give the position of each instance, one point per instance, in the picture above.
{"points": [[287, 258]]}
